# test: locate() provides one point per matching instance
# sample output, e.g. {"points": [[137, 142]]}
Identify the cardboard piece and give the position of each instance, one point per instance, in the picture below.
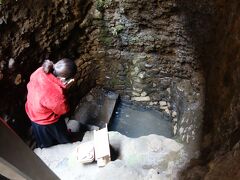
{"points": [[101, 146]]}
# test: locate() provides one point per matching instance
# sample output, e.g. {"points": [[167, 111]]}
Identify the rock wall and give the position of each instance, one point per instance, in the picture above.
{"points": [[222, 72], [145, 53], [32, 31], [222, 127], [221, 63], [141, 49]]}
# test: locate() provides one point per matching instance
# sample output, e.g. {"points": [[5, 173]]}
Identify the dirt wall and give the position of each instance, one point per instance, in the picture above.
{"points": [[32, 31], [221, 64]]}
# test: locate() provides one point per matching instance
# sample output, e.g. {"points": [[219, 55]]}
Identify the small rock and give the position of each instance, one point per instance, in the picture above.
{"points": [[187, 139], [139, 90], [163, 107], [62, 10], [57, 42], [143, 94], [183, 138], [18, 79], [137, 80], [97, 14], [168, 104], [151, 103], [174, 114], [135, 61], [148, 65], [181, 130], [163, 103], [167, 111], [136, 70], [11, 63], [146, 98], [135, 93], [168, 90], [141, 75], [175, 129]]}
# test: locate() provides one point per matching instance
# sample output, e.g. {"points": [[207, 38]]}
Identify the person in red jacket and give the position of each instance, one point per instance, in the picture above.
{"points": [[46, 101]]}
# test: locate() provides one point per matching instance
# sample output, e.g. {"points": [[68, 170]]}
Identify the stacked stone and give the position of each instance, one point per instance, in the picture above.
{"points": [[121, 31], [85, 69], [139, 80], [141, 50]]}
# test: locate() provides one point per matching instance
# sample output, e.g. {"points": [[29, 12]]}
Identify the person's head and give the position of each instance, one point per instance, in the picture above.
{"points": [[65, 69]]}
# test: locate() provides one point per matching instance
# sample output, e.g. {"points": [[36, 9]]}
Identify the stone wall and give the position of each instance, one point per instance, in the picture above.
{"points": [[144, 52], [141, 49]]}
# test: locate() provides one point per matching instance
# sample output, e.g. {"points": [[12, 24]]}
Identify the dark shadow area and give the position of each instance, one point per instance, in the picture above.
{"points": [[114, 153], [3, 177]]}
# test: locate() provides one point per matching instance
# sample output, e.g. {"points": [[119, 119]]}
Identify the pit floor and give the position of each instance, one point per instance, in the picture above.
{"points": [[151, 157]]}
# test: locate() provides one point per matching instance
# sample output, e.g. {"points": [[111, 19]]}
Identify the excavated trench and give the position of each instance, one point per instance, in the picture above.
{"points": [[175, 66]]}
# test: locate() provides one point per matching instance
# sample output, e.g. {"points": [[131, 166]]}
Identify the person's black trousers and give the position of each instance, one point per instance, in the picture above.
{"points": [[52, 134]]}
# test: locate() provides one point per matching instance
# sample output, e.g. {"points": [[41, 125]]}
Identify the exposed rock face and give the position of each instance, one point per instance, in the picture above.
{"points": [[32, 31], [141, 49], [222, 126], [222, 78], [145, 53], [220, 57]]}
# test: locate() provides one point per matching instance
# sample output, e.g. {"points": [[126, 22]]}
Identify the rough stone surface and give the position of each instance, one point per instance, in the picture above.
{"points": [[189, 108], [146, 47], [148, 53], [30, 33], [148, 157], [218, 43], [137, 48]]}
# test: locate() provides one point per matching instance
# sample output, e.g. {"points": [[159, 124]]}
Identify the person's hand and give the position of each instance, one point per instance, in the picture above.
{"points": [[69, 83]]}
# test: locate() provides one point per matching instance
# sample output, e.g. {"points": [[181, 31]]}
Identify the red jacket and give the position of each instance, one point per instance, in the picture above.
{"points": [[46, 101]]}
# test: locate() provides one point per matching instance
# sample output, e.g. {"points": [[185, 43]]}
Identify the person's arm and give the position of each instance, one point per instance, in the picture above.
{"points": [[58, 104], [61, 107]]}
